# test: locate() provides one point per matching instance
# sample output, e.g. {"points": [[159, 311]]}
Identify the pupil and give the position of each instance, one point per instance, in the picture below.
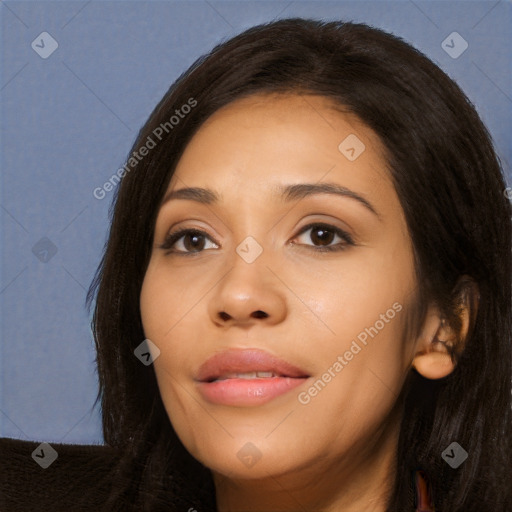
{"points": [[194, 244], [325, 236]]}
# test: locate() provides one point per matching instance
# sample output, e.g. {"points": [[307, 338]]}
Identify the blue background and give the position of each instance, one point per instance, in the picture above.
{"points": [[68, 123]]}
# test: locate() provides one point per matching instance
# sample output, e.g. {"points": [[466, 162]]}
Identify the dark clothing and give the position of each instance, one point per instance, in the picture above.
{"points": [[80, 478]]}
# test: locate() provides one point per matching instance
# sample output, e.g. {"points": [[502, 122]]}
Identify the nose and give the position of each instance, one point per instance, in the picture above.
{"points": [[248, 293]]}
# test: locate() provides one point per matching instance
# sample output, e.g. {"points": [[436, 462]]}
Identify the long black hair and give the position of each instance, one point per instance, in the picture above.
{"points": [[451, 188]]}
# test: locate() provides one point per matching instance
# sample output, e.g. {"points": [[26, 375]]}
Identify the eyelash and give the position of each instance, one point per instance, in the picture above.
{"points": [[172, 238]]}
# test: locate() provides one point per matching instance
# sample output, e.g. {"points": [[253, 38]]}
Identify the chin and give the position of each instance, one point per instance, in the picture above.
{"points": [[247, 457]]}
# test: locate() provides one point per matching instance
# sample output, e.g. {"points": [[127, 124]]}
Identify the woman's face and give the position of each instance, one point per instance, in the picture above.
{"points": [[308, 288]]}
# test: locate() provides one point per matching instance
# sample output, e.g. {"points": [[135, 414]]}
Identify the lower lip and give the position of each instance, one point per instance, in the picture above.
{"points": [[247, 392]]}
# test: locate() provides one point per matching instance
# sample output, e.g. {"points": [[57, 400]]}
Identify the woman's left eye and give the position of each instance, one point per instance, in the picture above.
{"points": [[193, 241], [325, 234]]}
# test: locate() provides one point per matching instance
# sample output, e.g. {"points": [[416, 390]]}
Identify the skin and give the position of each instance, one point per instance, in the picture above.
{"points": [[335, 452]]}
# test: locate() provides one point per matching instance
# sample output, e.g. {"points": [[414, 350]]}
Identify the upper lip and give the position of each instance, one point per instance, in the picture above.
{"points": [[245, 360]]}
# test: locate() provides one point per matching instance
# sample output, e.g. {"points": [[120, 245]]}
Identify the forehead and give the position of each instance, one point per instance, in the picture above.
{"points": [[257, 144]]}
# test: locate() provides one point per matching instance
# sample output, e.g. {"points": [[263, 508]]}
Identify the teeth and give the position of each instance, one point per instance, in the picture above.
{"points": [[265, 375], [249, 375], [246, 375]]}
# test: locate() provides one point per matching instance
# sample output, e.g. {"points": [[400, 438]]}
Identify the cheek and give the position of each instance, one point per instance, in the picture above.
{"points": [[151, 296], [164, 318], [162, 314], [362, 362], [165, 298], [357, 385], [161, 309], [365, 299]]}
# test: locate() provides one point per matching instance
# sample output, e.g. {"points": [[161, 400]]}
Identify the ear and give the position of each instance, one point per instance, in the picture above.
{"points": [[443, 337]]}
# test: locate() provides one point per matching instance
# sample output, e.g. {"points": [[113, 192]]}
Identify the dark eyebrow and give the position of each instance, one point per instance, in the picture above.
{"points": [[301, 190], [198, 194], [287, 192]]}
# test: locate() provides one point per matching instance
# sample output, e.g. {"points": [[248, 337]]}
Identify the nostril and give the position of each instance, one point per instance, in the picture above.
{"points": [[260, 314], [224, 316]]}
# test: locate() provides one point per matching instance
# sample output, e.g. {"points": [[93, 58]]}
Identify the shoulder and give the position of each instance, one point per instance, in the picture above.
{"points": [[54, 476]]}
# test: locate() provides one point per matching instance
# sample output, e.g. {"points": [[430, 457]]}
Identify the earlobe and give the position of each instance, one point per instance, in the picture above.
{"points": [[433, 358], [440, 342], [434, 365]]}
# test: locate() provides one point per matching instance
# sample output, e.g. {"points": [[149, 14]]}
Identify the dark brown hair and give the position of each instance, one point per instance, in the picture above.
{"points": [[450, 185]]}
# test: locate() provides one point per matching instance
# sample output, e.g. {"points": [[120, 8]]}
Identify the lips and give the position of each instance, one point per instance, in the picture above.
{"points": [[246, 377], [230, 362]]}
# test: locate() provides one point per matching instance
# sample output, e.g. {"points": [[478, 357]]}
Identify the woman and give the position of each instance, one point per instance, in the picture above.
{"points": [[304, 302]]}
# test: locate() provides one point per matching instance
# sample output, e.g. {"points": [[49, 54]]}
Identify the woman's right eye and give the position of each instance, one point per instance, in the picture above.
{"points": [[192, 240]]}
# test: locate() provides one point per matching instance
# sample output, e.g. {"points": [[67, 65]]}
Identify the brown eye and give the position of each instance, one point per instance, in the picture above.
{"points": [[193, 241], [322, 236], [188, 241]]}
